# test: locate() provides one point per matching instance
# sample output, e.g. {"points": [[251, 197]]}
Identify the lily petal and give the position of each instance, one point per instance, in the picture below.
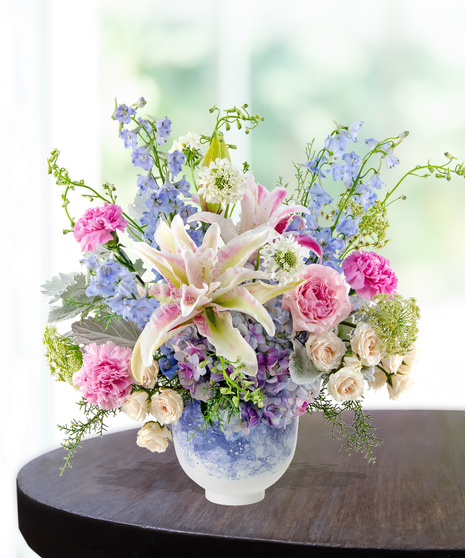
{"points": [[308, 242], [193, 298], [193, 269], [239, 250], [160, 292], [241, 300], [264, 291], [166, 321], [234, 276], [229, 343], [179, 231], [164, 237], [228, 229], [170, 265]]}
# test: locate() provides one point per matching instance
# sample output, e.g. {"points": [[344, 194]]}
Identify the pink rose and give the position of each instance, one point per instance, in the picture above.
{"points": [[104, 378], [319, 303], [94, 228], [369, 274]]}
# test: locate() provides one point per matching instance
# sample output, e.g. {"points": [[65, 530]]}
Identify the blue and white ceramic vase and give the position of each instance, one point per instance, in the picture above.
{"points": [[234, 468]]}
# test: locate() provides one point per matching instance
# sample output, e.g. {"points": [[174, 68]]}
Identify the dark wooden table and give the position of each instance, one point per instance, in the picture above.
{"points": [[121, 500]]}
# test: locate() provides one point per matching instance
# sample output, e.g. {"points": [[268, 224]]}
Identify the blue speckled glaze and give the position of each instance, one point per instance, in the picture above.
{"points": [[234, 456]]}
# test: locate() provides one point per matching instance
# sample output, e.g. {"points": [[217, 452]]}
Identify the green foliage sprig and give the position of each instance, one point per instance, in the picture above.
{"points": [[62, 179], [357, 435], [236, 116], [76, 431]]}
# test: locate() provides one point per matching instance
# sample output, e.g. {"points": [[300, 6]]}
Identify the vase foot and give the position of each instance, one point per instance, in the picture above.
{"points": [[234, 499]]}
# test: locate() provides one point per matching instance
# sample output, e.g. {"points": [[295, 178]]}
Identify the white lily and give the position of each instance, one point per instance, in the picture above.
{"points": [[203, 284]]}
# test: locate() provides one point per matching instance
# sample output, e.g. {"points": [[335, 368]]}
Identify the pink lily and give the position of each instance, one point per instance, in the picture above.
{"points": [[203, 284], [260, 207]]}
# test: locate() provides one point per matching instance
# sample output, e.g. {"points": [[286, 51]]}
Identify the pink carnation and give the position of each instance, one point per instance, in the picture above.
{"points": [[94, 228], [104, 378], [319, 303], [368, 274]]}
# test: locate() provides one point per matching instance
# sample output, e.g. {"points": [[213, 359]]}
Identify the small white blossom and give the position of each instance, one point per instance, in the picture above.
{"points": [[283, 260], [222, 183], [189, 142]]}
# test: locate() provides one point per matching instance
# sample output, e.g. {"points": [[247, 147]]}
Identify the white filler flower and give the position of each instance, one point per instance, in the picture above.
{"points": [[221, 182], [189, 142], [283, 260]]}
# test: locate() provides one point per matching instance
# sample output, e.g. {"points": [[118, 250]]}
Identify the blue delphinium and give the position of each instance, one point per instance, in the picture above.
{"points": [[130, 138], [141, 158], [123, 113], [145, 182], [176, 160], [118, 287], [162, 130]]}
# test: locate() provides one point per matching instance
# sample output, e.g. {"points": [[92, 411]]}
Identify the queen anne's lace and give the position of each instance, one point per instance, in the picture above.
{"points": [[283, 260], [222, 183], [189, 142]]}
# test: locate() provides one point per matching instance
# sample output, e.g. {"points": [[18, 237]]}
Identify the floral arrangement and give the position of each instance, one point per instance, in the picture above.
{"points": [[263, 305]]}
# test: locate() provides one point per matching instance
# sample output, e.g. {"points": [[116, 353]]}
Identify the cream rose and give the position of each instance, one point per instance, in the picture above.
{"points": [[409, 361], [150, 375], [135, 406], [346, 384], [379, 381], [167, 406], [325, 350], [351, 361], [366, 344], [154, 437], [400, 383], [391, 364]]}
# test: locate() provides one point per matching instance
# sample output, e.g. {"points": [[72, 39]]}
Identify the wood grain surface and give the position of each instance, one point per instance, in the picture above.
{"points": [[122, 500]]}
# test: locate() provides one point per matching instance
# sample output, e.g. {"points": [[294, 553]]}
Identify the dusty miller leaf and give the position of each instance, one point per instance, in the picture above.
{"points": [[368, 373], [56, 286], [139, 267], [136, 209], [124, 334], [75, 301], [301, 367]]}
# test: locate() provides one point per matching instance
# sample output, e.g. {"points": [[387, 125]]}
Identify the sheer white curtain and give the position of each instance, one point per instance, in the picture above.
{"points": [[50, 97]]}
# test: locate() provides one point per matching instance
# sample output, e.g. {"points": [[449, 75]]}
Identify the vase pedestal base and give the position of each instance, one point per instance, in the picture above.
{"points": [[234, 499]]}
